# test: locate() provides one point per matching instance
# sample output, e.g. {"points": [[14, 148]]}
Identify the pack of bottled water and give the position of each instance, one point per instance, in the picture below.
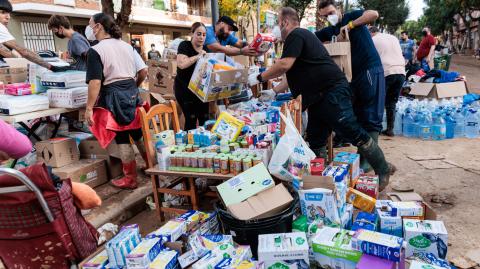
{"points": [[432, 119]]}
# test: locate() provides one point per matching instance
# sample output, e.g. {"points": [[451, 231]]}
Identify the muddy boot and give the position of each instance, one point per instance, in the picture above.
{"points": [[141, 149], [364, 164], [374, 155], [390, 123], [129, 181], [321, 152]]}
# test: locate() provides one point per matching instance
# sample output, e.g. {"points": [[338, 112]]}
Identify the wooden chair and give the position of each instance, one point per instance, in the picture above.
{"points": [[159, 118]]}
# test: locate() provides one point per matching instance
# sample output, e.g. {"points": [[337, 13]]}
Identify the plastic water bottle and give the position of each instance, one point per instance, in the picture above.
{"points": [[460, 124], [450, 124], [397, 126], [471, 124], [384, 121], [439, 128], [424, 127], [409, 126]]}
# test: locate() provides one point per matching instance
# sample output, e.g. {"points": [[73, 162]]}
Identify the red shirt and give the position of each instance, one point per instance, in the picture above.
{"points": [[425, 45]]}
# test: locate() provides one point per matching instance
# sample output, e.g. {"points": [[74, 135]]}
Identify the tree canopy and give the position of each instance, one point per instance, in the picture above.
{"points": [[393, 13]]}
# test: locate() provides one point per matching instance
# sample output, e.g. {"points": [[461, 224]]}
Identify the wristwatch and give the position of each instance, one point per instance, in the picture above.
{"points": [[259, 78]]}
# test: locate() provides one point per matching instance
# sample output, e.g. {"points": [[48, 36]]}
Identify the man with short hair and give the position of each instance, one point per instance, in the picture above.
{"points": [[153, 54], [77, 44], [368, 82], [393, 63], [221, 35], [408, 48], [312, 73], [8, 43], [426, 50]]}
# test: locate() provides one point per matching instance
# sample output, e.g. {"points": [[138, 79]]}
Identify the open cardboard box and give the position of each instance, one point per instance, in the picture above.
{"points": [[57, 152], [91, 149], [89, 171], [423, 90], [413, 196]]}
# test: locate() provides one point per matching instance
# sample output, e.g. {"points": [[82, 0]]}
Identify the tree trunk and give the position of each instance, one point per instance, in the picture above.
{"points": [[124, 15], [107, 7]]}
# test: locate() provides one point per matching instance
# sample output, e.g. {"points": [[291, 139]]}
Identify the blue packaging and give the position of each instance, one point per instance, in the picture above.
{"points": [[339, 173], [181, 138], [377, 244], [366, 221], [390, 223]]}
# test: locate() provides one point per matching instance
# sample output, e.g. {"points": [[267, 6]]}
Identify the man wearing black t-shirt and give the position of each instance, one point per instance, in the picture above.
{"points": [[312, 73]]}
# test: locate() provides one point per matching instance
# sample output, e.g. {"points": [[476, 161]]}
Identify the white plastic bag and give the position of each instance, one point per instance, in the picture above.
{"points": [[291, 158]]}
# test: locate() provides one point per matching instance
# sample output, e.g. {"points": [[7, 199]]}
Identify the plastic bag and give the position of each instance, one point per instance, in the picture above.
{"points": [[291, 158]]}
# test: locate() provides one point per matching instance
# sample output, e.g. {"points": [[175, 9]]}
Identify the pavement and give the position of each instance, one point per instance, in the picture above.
{"points": [[470, 67]]}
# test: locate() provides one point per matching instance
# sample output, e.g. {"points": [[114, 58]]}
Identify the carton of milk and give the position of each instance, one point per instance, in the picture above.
{"points": [[242, 253], [390, 223], [408, 208], [426, 236], [381, 245], [339, 173], [144, 253], [288, 250], [97, 262], [122, 244], [353, 161], [321, 204], [421, 265], [170, 231], [166, 259], [215, 256]]}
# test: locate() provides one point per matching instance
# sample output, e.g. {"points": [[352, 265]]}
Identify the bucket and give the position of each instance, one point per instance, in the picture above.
{"points": [[245, 232]]}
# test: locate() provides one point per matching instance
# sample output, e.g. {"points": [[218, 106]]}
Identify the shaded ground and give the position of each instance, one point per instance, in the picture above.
{"points": [[469, 67]]}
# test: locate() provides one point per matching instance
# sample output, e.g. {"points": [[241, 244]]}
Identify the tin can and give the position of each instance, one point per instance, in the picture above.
{"points": [[216, 165], [201, 161], [237, 166], [173, 160], [224, 166], [194, 160], [209, 161], [247, 164], [256, 160], [244, 144], [187, 162]]}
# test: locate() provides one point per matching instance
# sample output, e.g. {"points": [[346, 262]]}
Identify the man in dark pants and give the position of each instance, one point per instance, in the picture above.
{"points": [[393, 63], [325, 92], [368, 82]]}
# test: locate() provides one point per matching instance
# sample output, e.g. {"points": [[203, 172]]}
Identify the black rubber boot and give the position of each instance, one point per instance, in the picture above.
{"points": [[374, 155], [364, 164], [390, 123], [321, 152]]}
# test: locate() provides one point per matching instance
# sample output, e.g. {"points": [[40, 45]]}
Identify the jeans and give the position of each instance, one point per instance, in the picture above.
{"points": [[369, 98], [334, 112]]}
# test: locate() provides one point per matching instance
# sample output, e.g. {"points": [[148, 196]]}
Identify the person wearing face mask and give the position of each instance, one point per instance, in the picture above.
{"points": [[154, 54], [114, 72], [221, 35], [368, 82], [77, 44], [8, 43], [426, 50], [311, 72], [187, 56], [408, 48]]}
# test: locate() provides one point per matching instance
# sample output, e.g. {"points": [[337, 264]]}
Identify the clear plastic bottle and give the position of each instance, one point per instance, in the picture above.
{"points": [[424, 127], [450, 124], [460, 124], [409, 126], [397, 126], [439, 128], [471, 124]]}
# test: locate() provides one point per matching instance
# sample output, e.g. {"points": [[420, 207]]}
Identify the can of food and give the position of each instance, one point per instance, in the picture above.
{"points": [[256, 160], [209, 161], [237, 166], [194, 161], [247, 164], [224, 166], [201, 161], [187, 162], [179, 159], [173, 160], [244, 144], [216, 164], [230, 160]]}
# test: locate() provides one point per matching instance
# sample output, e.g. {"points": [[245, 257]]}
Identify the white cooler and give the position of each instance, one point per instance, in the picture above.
{"points": [[68, 98]]}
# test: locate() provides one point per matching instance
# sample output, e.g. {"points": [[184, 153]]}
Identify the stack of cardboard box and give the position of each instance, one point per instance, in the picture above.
{"points": [[161, 76], [91, 164]]}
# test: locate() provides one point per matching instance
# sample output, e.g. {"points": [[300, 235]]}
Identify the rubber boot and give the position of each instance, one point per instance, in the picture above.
{"points": [[364, 165], [390, 123], [321, 152], [129, 181], [374, 155], [141, 149]]}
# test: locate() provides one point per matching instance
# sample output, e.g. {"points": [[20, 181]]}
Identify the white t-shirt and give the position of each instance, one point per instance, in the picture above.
{"points": [[139, 63], [5, 34], [390, 52]]}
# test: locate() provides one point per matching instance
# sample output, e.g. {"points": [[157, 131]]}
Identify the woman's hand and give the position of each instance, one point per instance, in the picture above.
{"points": [[89, 116]]}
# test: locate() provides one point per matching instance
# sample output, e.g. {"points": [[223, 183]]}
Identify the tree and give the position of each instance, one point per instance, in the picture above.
{"points": [[298, 5], [413, 28], [393, 13], [123, 16]]}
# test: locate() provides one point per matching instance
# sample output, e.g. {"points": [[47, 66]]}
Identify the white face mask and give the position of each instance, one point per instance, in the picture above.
{"points": [[89, 33], [333, 19], [277, 33]]}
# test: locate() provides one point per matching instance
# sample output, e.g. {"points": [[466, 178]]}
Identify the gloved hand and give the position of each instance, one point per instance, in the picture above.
{"points": [[252, 79], [54, 68], [267, 95]]}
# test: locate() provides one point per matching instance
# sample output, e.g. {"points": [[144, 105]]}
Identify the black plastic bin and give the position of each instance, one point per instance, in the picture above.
{"points": [[246, 232]]}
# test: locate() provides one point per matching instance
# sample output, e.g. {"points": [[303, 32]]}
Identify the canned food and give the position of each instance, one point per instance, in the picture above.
{"points": [[216, 165], [224, 166], [247, 164]]}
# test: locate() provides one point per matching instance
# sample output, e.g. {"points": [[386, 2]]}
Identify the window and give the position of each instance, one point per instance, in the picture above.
{"points": [[37, 37]]}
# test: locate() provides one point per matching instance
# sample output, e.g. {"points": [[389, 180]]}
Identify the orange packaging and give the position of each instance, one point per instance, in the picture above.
{"points": [[262, 42], [361, 200]]}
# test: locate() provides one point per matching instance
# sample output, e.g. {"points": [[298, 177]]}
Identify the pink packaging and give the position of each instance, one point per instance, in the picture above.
{"points": [[370, 262], [262, 42], [368, 185], [18, 89]]}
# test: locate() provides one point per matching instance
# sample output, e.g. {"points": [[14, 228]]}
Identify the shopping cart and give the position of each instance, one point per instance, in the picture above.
{"points": [[40, 227]]}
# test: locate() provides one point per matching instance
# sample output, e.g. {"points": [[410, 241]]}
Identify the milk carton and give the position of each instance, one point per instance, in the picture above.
{"points": [[390, 223], [122, 244], [353, 161], [381, 245], [214, 257], [321, 204], [97, 262], [421, 265], [339, 173], [333, 249], [347, 218], [165, 260], [144, 254], [170, 232], [425, 237], [202, 244], [408, 209], [241, 254], [365, 221], [288, 250]]}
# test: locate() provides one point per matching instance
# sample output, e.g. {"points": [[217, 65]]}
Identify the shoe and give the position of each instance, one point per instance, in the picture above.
{"points": [[129, 181], [385, 178], [388, 132]]}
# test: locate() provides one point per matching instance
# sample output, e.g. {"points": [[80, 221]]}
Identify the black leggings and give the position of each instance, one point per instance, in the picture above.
{"points": [[123, 137], [193, 109]]}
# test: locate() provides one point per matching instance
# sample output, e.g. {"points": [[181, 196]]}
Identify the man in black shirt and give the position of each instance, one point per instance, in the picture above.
{"points": [[153, 54], [312, 73]]}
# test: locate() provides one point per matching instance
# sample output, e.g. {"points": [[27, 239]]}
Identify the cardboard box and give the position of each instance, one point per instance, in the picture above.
{"points": [[243, 60], [430, 214], [341, 55], [332, 248], [57, 152], [366, 221], [425, 237], [16, 72], [423, 90], [91, 149], [214, 79], [166, 259], [353, 161], [265, 204], [89, 171], [288, 250], [161, 76], [245, 185]]}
